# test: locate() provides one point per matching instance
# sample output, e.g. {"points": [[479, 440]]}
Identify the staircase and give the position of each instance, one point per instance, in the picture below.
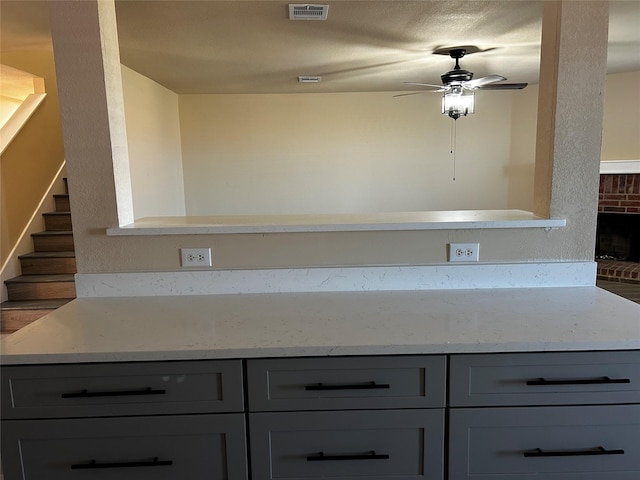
{"points": [[47, 280]]}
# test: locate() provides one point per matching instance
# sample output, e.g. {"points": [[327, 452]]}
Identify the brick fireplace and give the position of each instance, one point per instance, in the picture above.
{"points": [[618, 237]]}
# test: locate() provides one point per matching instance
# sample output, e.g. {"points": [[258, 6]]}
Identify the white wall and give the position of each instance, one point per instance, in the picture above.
{"points": [[332, 153], [621, 132], [347, 152], [524, 118], [153, 135]]}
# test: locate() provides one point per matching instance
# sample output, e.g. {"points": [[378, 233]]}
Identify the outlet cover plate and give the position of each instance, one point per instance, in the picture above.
{"points": [[464, 252], [195, 257]]}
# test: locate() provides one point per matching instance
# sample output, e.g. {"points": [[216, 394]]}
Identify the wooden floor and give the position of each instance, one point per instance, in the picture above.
{"points": [[626, 290]]}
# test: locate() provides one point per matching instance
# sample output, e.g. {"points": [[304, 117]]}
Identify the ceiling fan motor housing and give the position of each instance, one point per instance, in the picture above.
{"points": [[456, 76]]}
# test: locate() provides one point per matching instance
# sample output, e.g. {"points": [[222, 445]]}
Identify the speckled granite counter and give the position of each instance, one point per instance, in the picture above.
{"points": [[320, 324]]}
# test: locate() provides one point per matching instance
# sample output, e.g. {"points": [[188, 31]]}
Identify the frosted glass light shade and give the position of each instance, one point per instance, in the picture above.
{"points": [[458, 102]]}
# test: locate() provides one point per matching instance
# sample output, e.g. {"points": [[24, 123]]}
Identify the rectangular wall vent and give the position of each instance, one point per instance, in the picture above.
{"points": [[308, 12], [309, 79]]}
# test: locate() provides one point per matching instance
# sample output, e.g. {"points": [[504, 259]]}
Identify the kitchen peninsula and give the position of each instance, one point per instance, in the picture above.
{"points": [[328, 323], [381, 369]]}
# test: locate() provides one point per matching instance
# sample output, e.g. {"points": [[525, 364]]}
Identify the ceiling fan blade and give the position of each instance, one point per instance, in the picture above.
{"points": [[412, 93], [504, 86], [480, 82], [423, 84]]}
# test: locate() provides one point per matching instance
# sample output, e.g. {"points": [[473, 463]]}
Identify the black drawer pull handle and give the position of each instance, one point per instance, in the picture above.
{"points": [[538, 452], [371, 455], [150, 463], [122, 393], [586, 381], [355, 386]]}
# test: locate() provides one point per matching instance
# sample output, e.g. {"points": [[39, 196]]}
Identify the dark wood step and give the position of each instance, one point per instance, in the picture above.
{"points": [[15, 315], [62, 202], [57, 221], [40, 287], [66, 185], [39, 263], [53, 241]]}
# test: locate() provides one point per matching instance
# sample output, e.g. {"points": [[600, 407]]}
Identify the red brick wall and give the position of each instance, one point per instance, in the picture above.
{"points": [[619, 193]]}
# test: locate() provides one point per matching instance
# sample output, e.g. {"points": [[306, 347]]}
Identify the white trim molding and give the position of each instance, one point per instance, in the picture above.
{"points": [[619, 166], [19, 118]]}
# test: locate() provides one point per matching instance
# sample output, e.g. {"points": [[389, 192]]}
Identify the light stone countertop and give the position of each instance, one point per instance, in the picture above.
{"points": [[321, 324], [338, 222]]}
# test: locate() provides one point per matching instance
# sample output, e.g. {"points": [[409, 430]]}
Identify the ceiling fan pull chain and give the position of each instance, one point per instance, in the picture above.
{"points": [[453, 146]]}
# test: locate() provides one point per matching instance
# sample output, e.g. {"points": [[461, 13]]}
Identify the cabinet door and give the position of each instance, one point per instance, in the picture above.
{"points": [[195, 447], [112, 389], [545, 378], [545, 443], [348, 445], [340, 383]]}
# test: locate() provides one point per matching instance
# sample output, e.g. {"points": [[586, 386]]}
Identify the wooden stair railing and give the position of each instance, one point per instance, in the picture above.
{"points": [[47, 280]]}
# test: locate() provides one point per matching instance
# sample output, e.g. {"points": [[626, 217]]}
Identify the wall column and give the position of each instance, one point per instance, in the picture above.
{"points": [[87, 62], [570, 113]]}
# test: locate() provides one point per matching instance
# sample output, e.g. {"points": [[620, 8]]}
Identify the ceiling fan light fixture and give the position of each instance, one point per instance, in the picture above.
{"points": [[458, 102]]}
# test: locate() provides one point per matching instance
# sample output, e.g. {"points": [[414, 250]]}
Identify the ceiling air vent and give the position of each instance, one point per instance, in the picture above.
{"points": [[309, 79], [308, 12]]}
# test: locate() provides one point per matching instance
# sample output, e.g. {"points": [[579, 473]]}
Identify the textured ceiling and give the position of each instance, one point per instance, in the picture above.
{"points": [[252, 47]]}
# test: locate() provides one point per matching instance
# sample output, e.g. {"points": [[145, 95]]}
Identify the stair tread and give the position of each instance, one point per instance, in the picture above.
{"points": [[57, 213], [60, 195], [46, 278], [63, 254], [46, 304], [52, 232]]}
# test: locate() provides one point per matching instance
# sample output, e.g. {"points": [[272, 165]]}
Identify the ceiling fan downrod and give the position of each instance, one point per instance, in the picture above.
{"points": [[458, 74]]}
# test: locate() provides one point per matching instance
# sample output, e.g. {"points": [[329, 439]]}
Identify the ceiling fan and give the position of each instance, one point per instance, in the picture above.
{"points": [[459, 86]]}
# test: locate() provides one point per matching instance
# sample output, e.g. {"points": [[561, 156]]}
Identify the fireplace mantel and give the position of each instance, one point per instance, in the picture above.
{"points": [[619, 166]]}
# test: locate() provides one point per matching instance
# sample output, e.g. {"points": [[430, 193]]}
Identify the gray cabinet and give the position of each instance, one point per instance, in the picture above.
{"points": [[347, 418], [545, 443], [143, 388], [124, 421], [348, 445], [545, 416], [545, 378], [194, 447], [347, 383], [504, 416]]}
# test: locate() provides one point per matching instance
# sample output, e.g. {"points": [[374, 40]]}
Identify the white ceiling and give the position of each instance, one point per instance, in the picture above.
{"points": [[242, 46]]}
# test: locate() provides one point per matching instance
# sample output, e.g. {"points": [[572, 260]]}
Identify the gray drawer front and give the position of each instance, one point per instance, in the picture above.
{"points": [[55, 391], [333, 383], [489, 443], [555, 378], [199, 447], [289, 445]]}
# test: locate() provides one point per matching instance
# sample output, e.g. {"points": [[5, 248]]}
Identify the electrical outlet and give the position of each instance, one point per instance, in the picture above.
{"points": [[464, 252], [195, 257]]}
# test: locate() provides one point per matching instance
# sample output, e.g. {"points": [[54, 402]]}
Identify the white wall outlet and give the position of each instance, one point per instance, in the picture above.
{"points": [[195, 257], [464, 252]]}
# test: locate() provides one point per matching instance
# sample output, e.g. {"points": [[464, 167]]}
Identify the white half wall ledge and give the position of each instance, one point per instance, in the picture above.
{"points": [[619, 166], [338, 279], [388, 221]]}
